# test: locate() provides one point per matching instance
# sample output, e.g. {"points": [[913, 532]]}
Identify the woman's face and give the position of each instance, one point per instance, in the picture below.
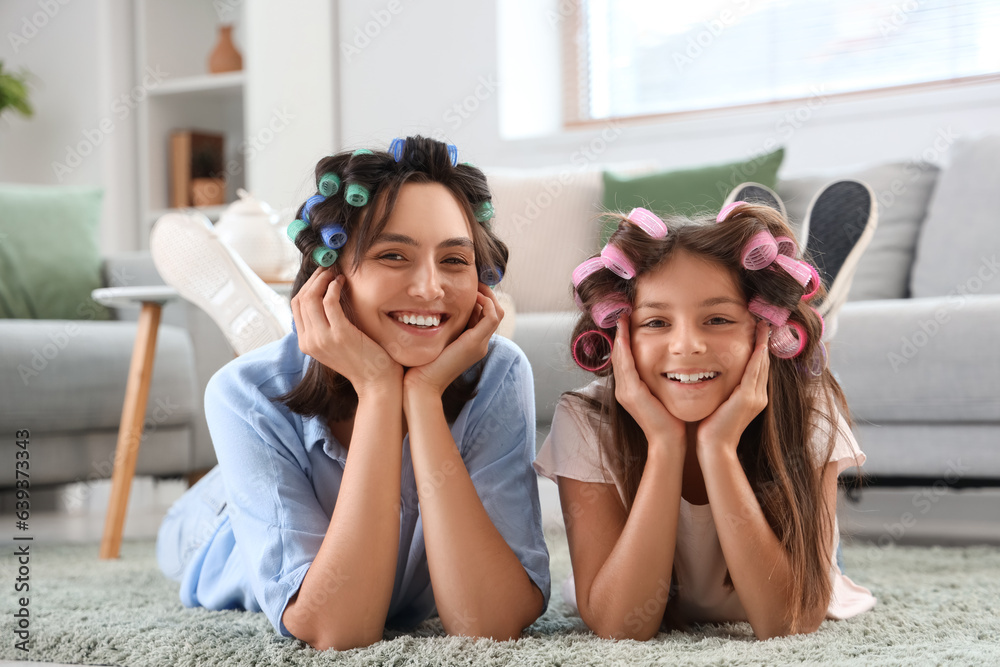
{"points": [[415, 288], [692, 334]]}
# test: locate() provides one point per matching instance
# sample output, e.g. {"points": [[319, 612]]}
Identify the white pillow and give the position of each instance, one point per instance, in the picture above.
{"points": [[550, 222], [903, 190]]}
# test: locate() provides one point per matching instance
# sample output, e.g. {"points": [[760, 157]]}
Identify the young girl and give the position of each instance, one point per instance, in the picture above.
{"points": [[375, 464], [698, 473]]}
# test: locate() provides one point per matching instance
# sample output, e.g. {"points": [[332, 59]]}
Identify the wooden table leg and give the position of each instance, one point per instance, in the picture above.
{"points": [[140, 375]]}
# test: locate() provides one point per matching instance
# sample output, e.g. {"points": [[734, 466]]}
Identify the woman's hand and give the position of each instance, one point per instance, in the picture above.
{"points": [[723, 428], [471, 346], [652, 416], [326, 335]]}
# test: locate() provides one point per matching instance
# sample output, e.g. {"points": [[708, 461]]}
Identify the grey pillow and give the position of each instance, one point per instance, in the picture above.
{"points": [[959, 246], [903, 190]]}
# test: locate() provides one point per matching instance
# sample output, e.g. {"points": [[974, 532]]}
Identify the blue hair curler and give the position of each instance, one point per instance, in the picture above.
{"points": [[362, 151], [334, 236], [453, 154], [356, 195], [490, 275], [484, 211], [396, 148], [310, 204], [295, 228], [324, 256], [329, 184]]}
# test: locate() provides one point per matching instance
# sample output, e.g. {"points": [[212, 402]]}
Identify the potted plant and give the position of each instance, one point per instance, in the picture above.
{"points": [[14, 92]]}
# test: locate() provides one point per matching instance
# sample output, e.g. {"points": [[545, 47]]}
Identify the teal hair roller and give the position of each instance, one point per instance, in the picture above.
{"points": [[295, 228], [356, 195], [362, 151], [329, 184], [324, 256], [484, 211]]}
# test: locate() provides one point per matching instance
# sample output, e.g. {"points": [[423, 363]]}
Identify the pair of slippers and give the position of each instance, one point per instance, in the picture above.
{"points": [[839, 225]]}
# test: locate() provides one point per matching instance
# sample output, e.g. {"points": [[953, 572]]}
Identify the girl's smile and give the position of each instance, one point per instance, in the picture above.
{"points": [[692, 335]]}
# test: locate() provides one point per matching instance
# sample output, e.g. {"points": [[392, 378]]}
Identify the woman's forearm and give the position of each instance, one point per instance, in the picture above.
{"points": [[480, 587], [629, 593], [344, 598]]}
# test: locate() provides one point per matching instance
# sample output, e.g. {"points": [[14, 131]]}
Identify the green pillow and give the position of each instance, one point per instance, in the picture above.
{"points": [[49, 256], [686, 191]]}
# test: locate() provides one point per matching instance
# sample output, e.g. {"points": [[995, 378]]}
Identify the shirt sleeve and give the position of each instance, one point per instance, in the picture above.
{"points": [[572, 448], [497, 448], [845, 453], [260, 452]]}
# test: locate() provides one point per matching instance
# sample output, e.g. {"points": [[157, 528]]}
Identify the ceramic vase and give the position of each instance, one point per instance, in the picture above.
{"points": [[225, 57]]}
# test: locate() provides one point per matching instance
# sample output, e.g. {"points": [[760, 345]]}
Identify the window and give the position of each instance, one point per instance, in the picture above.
{"points": [[645, 57]]}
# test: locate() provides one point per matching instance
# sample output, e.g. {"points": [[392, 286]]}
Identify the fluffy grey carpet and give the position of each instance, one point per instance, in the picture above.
{"points": [[936, 606]]}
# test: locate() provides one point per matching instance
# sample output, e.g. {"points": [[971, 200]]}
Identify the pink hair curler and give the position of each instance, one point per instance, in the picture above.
{"points": [[786, 246], [776, 315], [815, 281], [648, 222], [616, 262], [585, 268], [577, 299], [606, 313], [592, 345], [759, 251], [788, 341], [803, 272], [727, 209]]}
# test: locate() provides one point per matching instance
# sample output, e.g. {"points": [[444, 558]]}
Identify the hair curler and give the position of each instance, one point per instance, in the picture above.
{"points": [[592, 350], [759, 251], [788, 341], [648, 222], [776, 315], [726, 210], [606, 313], [616, 262]]}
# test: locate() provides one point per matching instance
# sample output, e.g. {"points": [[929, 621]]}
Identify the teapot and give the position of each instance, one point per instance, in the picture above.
{"points": [[251, 229]]}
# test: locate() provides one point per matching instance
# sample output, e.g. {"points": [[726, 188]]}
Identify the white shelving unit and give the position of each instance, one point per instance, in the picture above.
{"points": [[174, 39]]}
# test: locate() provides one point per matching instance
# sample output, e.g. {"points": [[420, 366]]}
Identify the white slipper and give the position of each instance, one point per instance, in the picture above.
{"points": [[755, 193], [192, 259]]}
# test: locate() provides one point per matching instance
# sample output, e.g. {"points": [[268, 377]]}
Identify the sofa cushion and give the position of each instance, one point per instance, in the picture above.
{"points": [[690, 192], [549, 221], [920, 360], [64, 375], [49, 256], [958, 248], [903, 190]]}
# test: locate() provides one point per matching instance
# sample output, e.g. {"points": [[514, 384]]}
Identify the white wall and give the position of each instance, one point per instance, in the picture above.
{"points": [[79, 54], [399, 67], [410, 75]]}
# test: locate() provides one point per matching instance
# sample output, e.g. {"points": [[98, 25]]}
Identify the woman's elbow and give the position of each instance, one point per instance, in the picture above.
{"points": [[343, 641]]}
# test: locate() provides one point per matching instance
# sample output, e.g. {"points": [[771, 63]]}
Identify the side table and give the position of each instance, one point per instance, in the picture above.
{"points": [[140, 374]]}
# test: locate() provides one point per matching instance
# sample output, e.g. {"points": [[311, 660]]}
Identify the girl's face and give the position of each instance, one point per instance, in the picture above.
{"points": [[415, 288], [692, 334]]}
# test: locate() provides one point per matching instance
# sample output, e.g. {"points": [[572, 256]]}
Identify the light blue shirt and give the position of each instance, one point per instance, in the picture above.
{"points": [[245, 536]]}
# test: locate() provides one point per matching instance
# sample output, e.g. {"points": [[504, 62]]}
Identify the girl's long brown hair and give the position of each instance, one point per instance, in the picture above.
{"points": [[322, 392], [774, 449]]}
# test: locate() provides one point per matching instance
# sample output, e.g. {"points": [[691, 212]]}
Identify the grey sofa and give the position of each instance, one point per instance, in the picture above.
{"points": [[64, 382], [913, 347]]}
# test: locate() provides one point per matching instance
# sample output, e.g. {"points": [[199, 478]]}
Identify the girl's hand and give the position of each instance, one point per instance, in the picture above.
{"points": [[326, 335], [464, 351], [723, 428], [652, 416]]}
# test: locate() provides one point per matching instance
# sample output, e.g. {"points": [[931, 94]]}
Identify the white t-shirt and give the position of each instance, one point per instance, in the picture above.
{"points": [[573, 450]]}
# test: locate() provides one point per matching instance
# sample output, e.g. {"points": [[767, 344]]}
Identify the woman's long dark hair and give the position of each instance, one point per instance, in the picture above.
{"points": [[774, 449], [322, 392]]}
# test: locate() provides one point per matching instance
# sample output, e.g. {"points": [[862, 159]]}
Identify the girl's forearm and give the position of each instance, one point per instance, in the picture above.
{"points": [[480, 587], [344, 598], [757, 562], [629, 594]]}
